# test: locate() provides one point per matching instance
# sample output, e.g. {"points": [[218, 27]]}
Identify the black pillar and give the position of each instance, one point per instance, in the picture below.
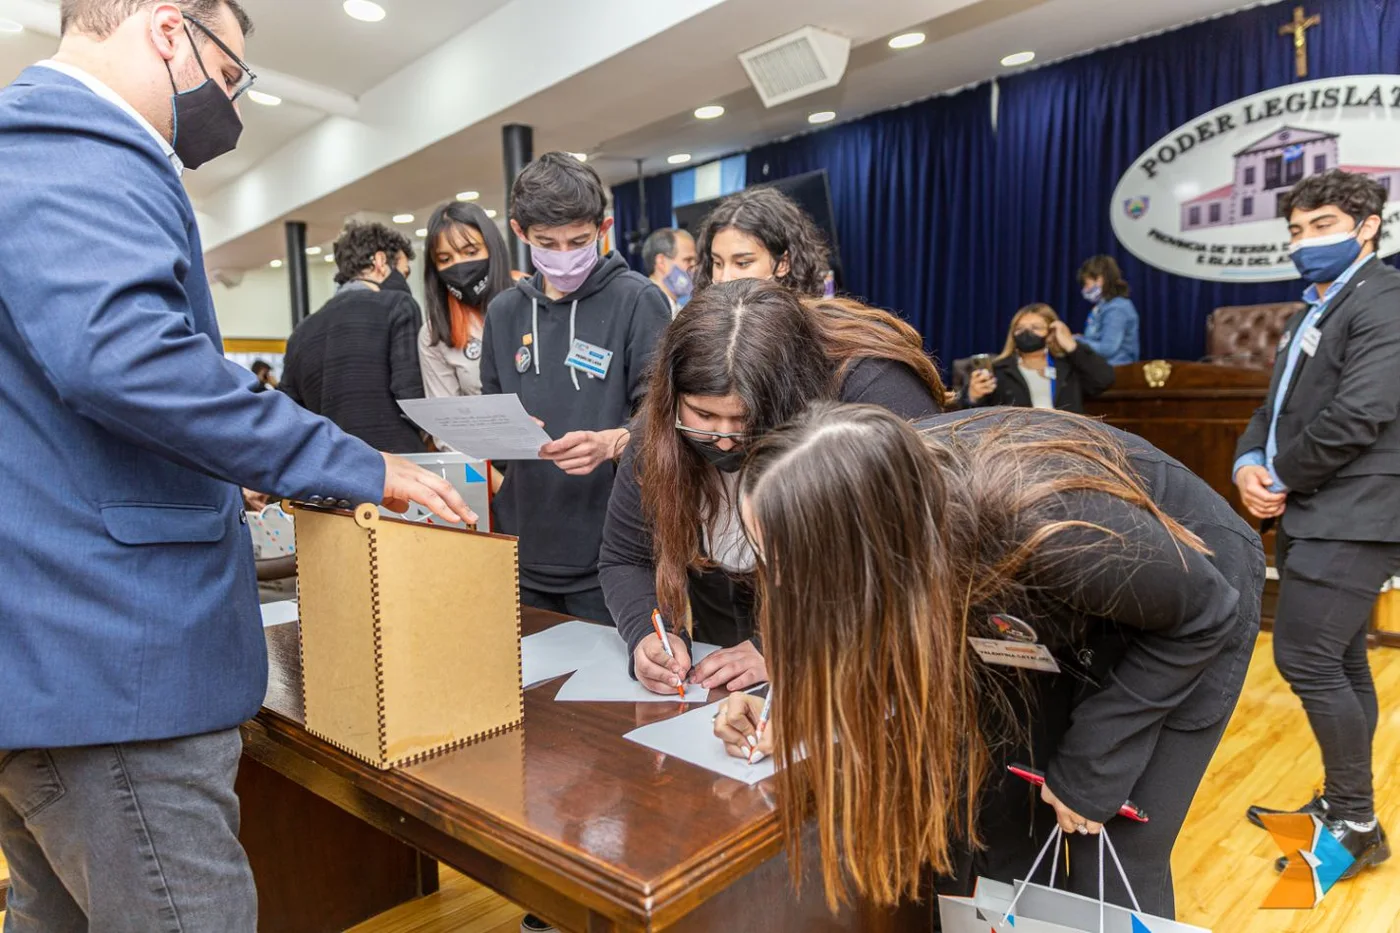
{"points": [[296, 271], [518, 144]]}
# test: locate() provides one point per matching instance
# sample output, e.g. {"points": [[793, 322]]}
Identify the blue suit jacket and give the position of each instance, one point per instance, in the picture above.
{"points": [[128, 599]]}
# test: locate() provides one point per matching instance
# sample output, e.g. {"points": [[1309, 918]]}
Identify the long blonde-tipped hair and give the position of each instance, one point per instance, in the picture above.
{"points": [[880, 550], [1045, 313]]}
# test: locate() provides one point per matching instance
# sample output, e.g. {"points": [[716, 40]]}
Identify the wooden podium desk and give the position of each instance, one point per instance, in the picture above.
{"points": [[564, 817], [1196, 414]]}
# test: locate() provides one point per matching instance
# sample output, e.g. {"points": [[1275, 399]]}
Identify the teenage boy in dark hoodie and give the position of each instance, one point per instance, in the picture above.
{"points": [[573, 341]]}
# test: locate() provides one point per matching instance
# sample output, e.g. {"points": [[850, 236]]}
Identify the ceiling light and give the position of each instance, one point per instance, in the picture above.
{"points": [[581, 156], [421, 233], [365, 11], [468, 195], [710, 112], [490, 212], [276, 263], [403, 218], [821, 116], [1019, 58], [907, 40], [680, 158], [313, 251], [267, 100], [330, 259], [9, 25]]}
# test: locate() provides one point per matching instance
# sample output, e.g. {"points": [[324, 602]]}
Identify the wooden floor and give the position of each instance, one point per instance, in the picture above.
{"points": [[1223, 865]]}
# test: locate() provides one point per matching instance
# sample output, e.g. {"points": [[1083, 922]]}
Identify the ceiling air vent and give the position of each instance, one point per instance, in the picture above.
{"points": [[797, 64]]}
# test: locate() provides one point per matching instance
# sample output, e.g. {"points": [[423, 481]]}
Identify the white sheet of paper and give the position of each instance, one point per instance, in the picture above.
{"points": [[562, 649], [279, 612], [604, 679], [691, 737], [484, 427]]}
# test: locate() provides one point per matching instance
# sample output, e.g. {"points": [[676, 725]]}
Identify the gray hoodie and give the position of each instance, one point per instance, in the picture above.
{"points": [[527, 337]]}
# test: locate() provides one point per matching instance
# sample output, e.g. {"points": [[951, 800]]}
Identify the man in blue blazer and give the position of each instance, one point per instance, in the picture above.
{"points": [[130, 642]]}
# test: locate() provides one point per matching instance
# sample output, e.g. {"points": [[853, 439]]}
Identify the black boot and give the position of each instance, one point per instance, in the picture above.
{"points": [[1315, 807], [1368, 847]]}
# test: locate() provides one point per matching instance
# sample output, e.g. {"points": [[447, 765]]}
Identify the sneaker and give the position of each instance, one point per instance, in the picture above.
{"points": [[1368, 847], [1315, 807], [533, 924]]}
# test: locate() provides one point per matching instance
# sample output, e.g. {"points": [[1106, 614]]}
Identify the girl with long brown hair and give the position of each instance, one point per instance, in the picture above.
{"points": [[1042, 365], [741, 359], [884, 551]]}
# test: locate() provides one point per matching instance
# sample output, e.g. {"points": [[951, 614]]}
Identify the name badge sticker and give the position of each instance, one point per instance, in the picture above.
{"points": [[586, 358], [1015, 654], [1310, 340]]}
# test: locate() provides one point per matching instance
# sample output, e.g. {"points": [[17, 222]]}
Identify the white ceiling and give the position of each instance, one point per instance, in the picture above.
{"points": [[634, 104], [312, 40]]}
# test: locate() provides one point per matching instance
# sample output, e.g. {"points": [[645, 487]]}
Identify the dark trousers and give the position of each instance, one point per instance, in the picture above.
{"points": [[1327, 590], [588, 605]]}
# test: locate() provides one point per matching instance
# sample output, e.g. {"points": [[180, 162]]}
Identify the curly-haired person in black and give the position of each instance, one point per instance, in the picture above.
{"points": [[761, 233]]}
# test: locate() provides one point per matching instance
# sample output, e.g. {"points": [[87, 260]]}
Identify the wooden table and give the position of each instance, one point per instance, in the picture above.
{"points": [[563, 816]]}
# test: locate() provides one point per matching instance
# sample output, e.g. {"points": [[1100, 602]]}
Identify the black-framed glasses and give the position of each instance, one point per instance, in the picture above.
{"points": [[248, 77], [714, 437]]}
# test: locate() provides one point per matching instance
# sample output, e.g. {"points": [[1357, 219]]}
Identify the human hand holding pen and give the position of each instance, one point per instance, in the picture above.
{"points": [[658, 671], [738, 727]]}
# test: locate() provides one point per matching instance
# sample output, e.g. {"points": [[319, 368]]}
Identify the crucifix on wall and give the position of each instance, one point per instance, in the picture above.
{"points": [[1298, 29]]}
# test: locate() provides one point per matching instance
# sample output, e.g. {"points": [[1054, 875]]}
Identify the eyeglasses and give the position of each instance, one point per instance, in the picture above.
{"points": [[248, 76], [714, 437]]}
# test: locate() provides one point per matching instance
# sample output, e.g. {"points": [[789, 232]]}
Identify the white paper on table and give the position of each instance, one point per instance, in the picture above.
{"points": [[279, 612], [691, 737], [562, 649], [484, 427], [605, 679]]}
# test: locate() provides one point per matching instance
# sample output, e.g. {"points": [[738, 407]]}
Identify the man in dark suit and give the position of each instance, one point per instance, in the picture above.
{"points": [[357, 357], [1321, 462], [130, 641]]}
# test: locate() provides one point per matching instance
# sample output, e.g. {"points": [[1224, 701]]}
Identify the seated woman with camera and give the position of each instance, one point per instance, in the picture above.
{"points": [[1042, 366]]}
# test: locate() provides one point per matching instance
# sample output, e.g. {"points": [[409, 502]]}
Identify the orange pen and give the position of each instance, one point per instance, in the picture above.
{"points": [[660, 626]]}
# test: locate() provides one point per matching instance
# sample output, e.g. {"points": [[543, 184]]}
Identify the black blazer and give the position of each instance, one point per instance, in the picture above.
{"points": [[1338, 435], [1078, 375], [353, 360], [1147, 633]]}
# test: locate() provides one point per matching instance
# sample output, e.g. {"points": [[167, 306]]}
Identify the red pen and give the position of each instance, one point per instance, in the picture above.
{"points": [[660, 627], [1129, 809]]}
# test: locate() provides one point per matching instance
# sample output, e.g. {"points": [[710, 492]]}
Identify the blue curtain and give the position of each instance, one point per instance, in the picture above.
{"points": [[956, 225], [909, 188], [1068, 132], [627, 213]]}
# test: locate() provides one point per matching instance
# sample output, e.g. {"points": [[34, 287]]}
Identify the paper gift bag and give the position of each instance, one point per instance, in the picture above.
{"points": [[410, 634], [1026, 907]]}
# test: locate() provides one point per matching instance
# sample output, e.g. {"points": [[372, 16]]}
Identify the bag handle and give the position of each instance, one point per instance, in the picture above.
{"points": [[1055, 836]]}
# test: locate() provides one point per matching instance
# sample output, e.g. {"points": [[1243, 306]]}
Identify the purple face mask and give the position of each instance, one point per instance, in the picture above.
{"points": [[566, 269]]}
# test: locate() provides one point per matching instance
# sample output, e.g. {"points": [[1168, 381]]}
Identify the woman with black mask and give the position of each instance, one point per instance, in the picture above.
{"points": [[467, 265], [743, 358], [1042, 366]]}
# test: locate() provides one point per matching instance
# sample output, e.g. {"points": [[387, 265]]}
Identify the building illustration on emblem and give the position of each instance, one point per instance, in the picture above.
{"points": [[1267, 170]]}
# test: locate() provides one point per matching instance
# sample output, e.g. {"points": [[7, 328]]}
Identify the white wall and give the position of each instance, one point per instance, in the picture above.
{"points": [[261, 306]]}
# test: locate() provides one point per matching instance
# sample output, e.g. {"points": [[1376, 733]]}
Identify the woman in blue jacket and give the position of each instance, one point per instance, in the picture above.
{"points": [[1112, 328]]}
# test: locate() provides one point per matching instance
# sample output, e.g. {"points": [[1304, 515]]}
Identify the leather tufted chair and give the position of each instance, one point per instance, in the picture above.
{"points": [[1247, 335]]}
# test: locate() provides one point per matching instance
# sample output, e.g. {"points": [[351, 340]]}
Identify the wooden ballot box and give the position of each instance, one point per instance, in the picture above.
{"points": [[410, 634]]}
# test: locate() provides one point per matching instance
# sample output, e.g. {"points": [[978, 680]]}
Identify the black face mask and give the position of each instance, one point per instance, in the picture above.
{"points": [[466, 281], [726, 461], [205, 124], [395, 282], [1028, 341]]}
